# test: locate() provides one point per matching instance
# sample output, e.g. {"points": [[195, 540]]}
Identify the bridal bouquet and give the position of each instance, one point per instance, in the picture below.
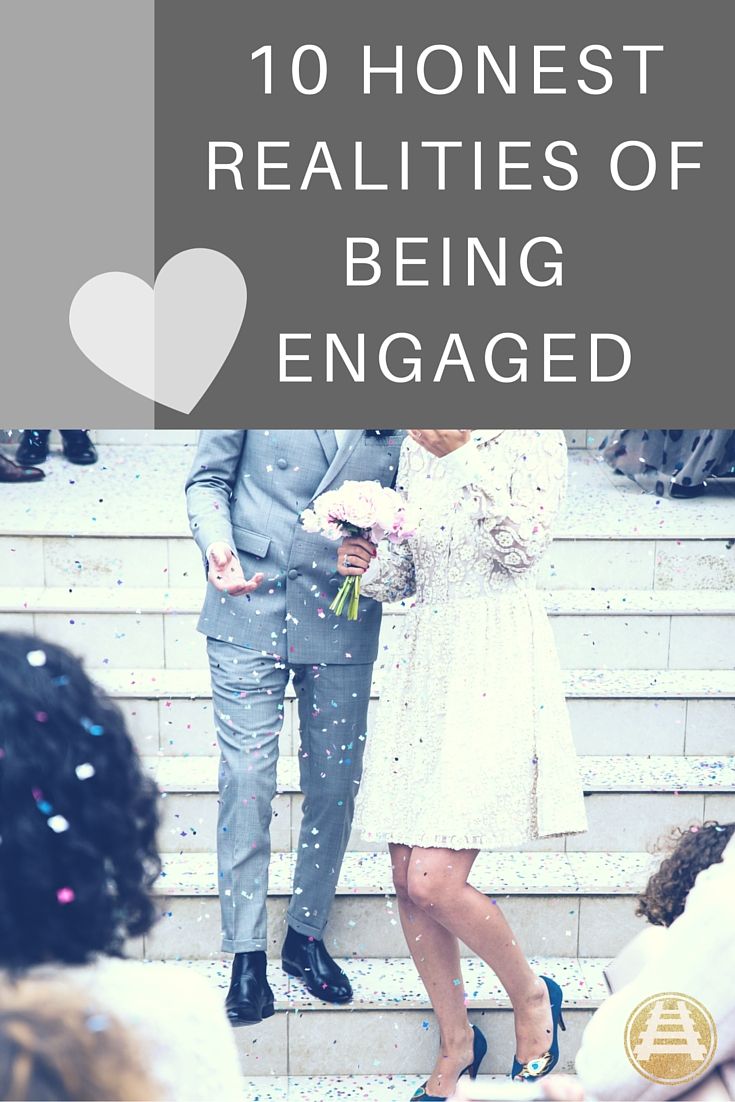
{"points": [[364, 509]]}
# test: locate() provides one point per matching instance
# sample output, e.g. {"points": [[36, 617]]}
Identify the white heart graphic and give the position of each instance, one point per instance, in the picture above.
{"points": [[167, 343]]}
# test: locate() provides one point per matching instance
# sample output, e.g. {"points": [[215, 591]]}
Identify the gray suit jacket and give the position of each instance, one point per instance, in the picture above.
{"points": [[248, 487]]}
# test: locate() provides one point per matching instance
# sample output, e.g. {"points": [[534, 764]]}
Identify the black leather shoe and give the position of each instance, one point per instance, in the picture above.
{"points": [[78, 448], [306, 958], [249, 999], [33, 447], [688, 491]]}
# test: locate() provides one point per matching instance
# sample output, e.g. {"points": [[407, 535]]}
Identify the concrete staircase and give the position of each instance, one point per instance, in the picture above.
{"points": [[642, 598]]}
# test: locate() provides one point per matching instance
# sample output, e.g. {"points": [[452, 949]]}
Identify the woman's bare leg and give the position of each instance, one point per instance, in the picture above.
{"points": [[437, 884], [435, 953]]}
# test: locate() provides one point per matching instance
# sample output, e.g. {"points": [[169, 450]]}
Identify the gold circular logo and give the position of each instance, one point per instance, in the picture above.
{"points": [[670, 1038]]}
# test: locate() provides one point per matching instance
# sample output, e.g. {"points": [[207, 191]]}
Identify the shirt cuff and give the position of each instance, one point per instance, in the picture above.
{"points": [[373, 571], [232, 549]]}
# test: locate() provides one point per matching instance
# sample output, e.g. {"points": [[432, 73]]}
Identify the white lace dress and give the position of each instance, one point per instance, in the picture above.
{"points": [[472, 746]]}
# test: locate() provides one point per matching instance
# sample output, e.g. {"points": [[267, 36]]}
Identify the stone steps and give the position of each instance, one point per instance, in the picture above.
{"points": [[609, 629], [573, 873], [625, 821], [563, 904], [124, 521], [185, 684], [687, 712], [609, 773], [180, 600], [681, 712], [629, 802], [332, 1088], [652, 560], [389, 1027], [138, 492], [344, 1088]]}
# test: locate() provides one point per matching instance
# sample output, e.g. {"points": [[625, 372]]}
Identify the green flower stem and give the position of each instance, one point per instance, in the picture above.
{"points": [[349, 591], [349, 594], [355, 599]]}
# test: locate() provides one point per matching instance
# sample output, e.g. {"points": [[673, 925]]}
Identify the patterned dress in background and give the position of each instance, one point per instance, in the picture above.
{"points": [[471, 748], [659, 459]]}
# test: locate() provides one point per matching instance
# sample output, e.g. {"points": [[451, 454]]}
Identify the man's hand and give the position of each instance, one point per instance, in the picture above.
{"points": [[441, 441], [354, 556], [225, 572]]}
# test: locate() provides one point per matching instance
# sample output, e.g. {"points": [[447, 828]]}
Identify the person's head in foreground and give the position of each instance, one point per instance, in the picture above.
{"points": [[78, 817], [690, 852], [55, 1046]]}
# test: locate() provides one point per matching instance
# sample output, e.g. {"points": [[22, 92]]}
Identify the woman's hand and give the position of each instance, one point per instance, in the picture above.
{"points": [[354, 556], [440, 441]]}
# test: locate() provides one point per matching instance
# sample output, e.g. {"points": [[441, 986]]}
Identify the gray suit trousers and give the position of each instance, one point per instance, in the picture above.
{"points": [[248, 691]]}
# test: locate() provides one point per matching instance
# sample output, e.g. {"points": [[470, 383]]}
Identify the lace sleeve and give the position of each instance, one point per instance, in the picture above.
{"points": [[391, 576], [512, 486]]}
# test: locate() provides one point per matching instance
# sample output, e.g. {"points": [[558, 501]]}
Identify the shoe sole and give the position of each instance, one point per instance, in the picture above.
{"points": [[267, 1012], [292, 970]]}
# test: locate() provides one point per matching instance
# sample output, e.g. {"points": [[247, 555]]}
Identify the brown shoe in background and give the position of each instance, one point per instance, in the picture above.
{"points": [[13, 472]]}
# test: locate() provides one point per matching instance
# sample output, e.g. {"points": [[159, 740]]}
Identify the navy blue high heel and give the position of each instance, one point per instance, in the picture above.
{"points": [[542, 1065], [479, 1049]]}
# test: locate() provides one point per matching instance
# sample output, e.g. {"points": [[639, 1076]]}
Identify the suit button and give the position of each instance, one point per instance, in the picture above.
{"points": [[293, 574], [282, 463]]}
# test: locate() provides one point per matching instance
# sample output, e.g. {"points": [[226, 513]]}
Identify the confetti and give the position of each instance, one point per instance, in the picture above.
{"points": [[92, 728], [97, 1023]]}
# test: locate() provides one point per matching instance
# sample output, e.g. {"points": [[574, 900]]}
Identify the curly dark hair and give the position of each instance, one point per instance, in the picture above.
{"points": [[78, 817], [691, 851]]}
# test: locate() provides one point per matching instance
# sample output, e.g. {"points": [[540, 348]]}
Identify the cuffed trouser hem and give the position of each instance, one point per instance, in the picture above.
{"points": [[253, 945], [304, 928]]}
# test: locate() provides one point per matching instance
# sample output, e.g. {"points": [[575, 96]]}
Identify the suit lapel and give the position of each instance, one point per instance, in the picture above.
{"points": [[328, 441], [353, 437]]}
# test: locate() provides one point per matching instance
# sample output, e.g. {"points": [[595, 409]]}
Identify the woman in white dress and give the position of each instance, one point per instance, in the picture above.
{"points": [[472, 748]]}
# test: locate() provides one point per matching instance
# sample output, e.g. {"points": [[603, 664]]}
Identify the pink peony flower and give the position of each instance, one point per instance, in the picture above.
{"points": [[358, 508], [367, 508], [311, 522]]}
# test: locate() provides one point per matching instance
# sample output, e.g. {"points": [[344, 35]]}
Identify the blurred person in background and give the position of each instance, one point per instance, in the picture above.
{"points": [[672, 462], [14, 472], [688, 948]]}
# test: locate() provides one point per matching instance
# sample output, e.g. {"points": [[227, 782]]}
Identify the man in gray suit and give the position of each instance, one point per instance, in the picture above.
{"points": [[266, 617]]}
